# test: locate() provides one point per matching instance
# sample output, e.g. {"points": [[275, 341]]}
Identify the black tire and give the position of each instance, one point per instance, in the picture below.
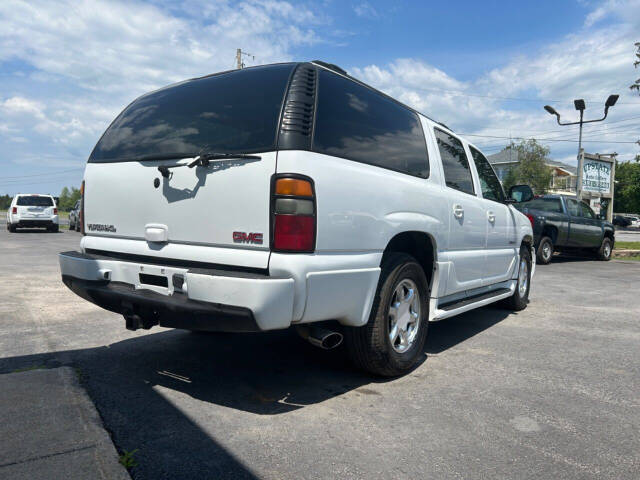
{"points": [[369, 346], [12, 228], [545, 251], [519, 300], [53, 228], [605, 250], [77, 227], [71, 226]]}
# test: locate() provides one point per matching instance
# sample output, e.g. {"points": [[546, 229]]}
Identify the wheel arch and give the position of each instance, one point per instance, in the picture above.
{"points": [[550, 231], [527, 241], [608, 233], [420, 245]]}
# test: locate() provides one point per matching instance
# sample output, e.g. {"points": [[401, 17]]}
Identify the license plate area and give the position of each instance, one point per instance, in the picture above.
{"points": [[155, 280]]}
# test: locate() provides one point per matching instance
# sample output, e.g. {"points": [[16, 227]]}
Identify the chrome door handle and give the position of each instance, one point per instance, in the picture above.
{"points": [[491, 216], [458, 211]]}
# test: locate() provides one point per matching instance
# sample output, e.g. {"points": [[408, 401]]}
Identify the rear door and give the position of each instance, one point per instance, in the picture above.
{"points": [[199, 206], [592, 226], [128, 197], [501, 233], [578, 232], [467, 217]]}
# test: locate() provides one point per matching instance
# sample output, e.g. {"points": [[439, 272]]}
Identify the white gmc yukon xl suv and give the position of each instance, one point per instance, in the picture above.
{"points": [[290, 194]]}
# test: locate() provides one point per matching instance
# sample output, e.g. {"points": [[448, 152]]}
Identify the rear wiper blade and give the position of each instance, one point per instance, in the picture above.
{"points": [[204, 159]]}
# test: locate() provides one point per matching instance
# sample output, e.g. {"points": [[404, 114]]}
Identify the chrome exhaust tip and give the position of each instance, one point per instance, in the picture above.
{"points": [[320, 337]]}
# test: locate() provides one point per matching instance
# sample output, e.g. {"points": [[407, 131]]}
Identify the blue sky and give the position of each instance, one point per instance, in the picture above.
{"points": [[483, 68]]}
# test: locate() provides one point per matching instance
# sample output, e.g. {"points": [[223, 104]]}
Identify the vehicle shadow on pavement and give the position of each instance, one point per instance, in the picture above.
{"points": [[565, 258], [449, 332], [34, 230], [132, 383]]}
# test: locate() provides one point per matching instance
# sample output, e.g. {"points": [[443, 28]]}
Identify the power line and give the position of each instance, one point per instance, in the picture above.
{"points": [[9, 182], [464, 94], [542, 139], [602, 129], [45, 174], [562, 134], [489, 143], [544, 132], [31, 183]]}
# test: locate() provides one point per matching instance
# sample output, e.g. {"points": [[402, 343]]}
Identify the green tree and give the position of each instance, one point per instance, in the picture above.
{"points": [[627, 187], [68, 198], [532, 168], [63, 199], [510, 179], [74, 196], [5, 202], [636, 84]]}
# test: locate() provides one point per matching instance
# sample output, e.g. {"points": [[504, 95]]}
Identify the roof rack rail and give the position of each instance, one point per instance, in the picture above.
{"points": [[440, 123], [330, 66]]}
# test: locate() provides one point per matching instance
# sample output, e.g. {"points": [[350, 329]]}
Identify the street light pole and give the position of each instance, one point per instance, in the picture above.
{"points": [[580, 105], [579, 169]]}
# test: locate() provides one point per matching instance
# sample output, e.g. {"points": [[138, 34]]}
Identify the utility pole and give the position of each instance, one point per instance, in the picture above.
{"points": [[239, 58], [580, 152], [239, 53]]}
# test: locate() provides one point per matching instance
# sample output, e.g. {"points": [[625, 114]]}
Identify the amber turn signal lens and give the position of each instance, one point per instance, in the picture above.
{"points": [[293, 186]]}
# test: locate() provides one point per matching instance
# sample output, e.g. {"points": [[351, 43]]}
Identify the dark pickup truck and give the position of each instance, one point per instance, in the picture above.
{"points": [[561, 223]]}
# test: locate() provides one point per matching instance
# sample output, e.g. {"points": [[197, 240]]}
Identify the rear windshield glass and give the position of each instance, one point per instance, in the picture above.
{"points": [[34, 201], [230, 112], [544, 204]]}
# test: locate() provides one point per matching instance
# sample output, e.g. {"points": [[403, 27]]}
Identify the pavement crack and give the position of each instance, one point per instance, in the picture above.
{"points": [[33, 459]]}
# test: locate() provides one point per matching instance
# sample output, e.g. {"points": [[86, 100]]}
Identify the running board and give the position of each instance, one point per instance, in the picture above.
{"points": [[451, 309]]}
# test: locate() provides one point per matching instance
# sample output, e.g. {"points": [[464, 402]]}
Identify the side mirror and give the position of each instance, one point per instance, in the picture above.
{"points": [[520, 193]]}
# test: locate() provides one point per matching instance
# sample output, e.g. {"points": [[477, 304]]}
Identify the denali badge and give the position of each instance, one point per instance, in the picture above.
{"points": [[99, 227], [244, 237]]}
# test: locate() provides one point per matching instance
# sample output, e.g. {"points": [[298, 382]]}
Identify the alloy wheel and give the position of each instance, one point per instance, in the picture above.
{"points": [[404, 316]]}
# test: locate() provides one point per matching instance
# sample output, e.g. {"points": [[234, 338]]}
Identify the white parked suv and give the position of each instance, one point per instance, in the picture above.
{"points": [[292, 194], [30, 210]]}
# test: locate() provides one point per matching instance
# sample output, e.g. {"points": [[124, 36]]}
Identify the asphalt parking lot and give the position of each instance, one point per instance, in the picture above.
{"points": [[549, 392]]}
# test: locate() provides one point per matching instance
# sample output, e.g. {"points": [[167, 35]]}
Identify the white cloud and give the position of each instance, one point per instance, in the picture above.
{"points": [[114, 46], [617, 8], [590, 64], [365, 10], [80, 62], [21, 105]]}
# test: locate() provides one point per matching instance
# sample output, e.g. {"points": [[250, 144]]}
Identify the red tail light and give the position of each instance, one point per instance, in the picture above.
{"points": [[294, 232], [81, 213], [531, 219], [14, 210], [293, 214], [55, 211]]}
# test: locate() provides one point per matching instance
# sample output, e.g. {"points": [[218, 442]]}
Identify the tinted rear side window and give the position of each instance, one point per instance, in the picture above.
{"points": [[489, 183], [544, 204], [34, 201], [357, 123], [454, 162], [230, 112]]}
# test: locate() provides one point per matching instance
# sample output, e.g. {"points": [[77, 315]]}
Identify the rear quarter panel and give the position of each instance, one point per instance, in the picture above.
{"points": [[361, 207]]}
